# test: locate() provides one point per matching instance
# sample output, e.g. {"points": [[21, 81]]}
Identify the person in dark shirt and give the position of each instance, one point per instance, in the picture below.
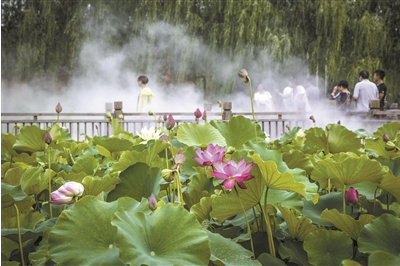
{"points": [[342, 95], [378, 78]]}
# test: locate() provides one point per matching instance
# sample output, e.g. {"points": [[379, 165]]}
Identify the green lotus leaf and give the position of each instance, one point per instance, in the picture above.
{"points": [[350, 263], [289, 136], [285, 198], [199, 135], [88, 165], [333, 200], [393, 164], [350, 171], [28, 233], [297, 159], [193, 196], [268, 259], [87, 226], [7, 247], [226, 206], [148, 156], [299, 176], [346, 223], [116, 127], [201, 181], [328, 247], [294, 252], [11, 195], [381, 233], [59, 134], [156, 239], [266, 154], [138, 181], [298, 225], [94, 185], [30, 180], [367, 189], [189, 167], [238, 131], [76, 149], [380, 257], [276, 180], [362, 133], [77, 177], [374, 207], [30, 139], [41, 255], [224, 251], [391, 184], [202, 209], [7, 142], [27, 220], [13, 175], [113, 144], [392, 129], [315, 140], [378, 145]]}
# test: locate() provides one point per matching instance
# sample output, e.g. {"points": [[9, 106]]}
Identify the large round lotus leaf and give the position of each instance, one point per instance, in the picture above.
{"points": [[83, 234], [169, 236], [199, 135], [340, 139], [328, 247], [113, 144], [294, 252], [378, 144], [30, 139], [88, 165], [381, 233], [297, 159], [138, 181], [391, 184], [379, 258], [238, 131]]}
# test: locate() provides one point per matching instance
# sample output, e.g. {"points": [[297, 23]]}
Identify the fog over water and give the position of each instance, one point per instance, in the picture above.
{"points": [[108, 77]]}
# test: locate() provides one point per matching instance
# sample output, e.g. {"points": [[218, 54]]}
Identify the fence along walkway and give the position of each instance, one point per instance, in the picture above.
{"points": [[95, 124]]}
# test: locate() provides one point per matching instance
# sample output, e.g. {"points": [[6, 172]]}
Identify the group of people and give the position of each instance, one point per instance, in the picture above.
{"points": [[364, 91], [295, 97]]}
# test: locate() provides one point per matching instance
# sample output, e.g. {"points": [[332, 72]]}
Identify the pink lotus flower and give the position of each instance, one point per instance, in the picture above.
{"points": [[232, 172], [179, 160], [197, 113], [152, 202], [351, 197], [213, 154], [67, 193]]}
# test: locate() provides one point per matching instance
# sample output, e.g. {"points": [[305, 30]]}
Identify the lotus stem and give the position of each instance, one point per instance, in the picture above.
{"points": [[19, 236], [373, 213], [268, 224], [329, 185], [50, 208], [179, 187], [58, 118], [248, 224], [344, 200], [252, 108], [255, 216]]}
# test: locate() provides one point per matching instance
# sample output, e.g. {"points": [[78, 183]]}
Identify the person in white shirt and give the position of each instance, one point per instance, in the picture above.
{"points": [[263, 100], [364, 91], [300, 98], [287, 98]]}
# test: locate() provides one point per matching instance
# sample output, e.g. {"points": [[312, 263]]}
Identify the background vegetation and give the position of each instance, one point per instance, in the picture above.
{"points": [[336, 39]]}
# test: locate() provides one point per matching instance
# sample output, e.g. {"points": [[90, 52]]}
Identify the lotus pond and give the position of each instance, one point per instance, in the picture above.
{"points": [[203, 193]]}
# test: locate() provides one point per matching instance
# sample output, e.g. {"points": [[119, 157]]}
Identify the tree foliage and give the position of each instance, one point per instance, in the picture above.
{"points": [[335, 39]]}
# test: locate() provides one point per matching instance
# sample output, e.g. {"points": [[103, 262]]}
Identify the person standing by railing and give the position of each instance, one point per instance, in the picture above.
{"points": [[263, 100], [145, 96], [364, 91], [379, 75]]}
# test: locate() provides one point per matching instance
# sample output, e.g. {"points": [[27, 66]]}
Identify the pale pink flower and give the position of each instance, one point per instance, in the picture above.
{"points": [[213, 154], [67, 193], [232, 172]]}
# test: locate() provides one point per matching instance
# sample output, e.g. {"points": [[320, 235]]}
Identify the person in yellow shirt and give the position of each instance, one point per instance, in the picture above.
{"points": [[145, 95]]}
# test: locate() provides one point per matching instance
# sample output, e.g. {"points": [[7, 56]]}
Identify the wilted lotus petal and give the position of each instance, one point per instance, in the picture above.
{"points": [[179, 157], [152, 202], [385, 137], [244, 75], [170, 123], [58, 108], [351, 197], [197, 113], [312, 119], [232, 172], [47, 137], [67, 193]]}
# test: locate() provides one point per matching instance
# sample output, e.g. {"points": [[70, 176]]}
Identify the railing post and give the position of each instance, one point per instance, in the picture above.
{"points": [[227, 113], [117, 109]]}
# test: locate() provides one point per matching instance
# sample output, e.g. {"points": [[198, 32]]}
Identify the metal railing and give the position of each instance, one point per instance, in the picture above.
{"points": [[91, 124]]}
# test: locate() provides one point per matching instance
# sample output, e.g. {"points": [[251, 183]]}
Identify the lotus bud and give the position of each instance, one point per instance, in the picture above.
{"points": [[231, 150], [17, 126], [152, 202], [58, 108], [121, 116], [67, 193], [164, 138], [150, 112], [390, 146], [385, 137], [167, 175], [197, 113], [288, 127], [108, 115], [47, 137], [351, 197], [338, 122], [159, 119], [170, 123], [165, 117], [312, 119], [205, 115], [244, 75]]}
